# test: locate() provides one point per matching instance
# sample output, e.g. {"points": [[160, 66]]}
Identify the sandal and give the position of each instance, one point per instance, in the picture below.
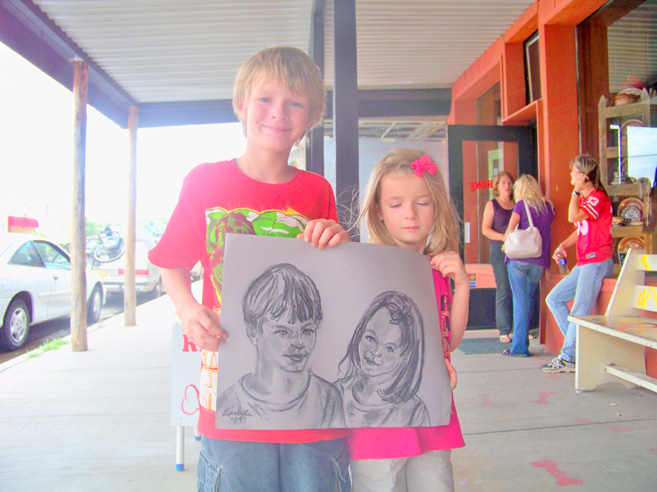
{"points": [[505, 339], [508, 352]]}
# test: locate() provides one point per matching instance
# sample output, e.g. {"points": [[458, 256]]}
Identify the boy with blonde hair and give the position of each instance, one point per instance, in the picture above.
{"points": [[278, 97]]}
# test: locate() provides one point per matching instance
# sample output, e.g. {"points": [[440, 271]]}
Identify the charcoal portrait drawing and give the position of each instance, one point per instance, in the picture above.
{"points": [[282, 314], [343, 337], [383, 366]]}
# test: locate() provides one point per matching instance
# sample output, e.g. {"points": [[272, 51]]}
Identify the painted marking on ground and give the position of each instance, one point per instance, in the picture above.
{"points": [[552, 467], [542, 398], [486, 401]]}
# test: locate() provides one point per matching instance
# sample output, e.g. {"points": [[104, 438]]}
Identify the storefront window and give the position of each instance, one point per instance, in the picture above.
{"points": [[532, 68], [617, 54]]}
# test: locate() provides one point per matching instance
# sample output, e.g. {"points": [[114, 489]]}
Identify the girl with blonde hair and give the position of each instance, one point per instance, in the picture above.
{"points": [[590, 212], [407, 205], [525, 274]]}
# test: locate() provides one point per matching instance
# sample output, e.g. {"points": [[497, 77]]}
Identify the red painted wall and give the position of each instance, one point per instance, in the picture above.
{"points": [[556, 115]]}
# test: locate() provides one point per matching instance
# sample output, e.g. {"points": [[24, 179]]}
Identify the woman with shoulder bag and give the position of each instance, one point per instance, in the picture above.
{"points": [[532, 209], [495, 221]]}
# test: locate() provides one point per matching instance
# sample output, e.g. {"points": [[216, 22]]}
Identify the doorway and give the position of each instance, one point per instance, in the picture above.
{"points": [[489, 149], [475, 154]]}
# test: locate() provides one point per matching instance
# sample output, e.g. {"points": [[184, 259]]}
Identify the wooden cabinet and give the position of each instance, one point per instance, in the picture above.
{"points": [[612, 125]]}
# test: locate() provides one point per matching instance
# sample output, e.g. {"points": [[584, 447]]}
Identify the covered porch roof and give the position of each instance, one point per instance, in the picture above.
{"points": [[176, 60]]}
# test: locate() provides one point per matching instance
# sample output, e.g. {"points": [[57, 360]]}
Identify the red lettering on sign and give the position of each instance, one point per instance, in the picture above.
{"points": [[188, 346], [481, 185]]}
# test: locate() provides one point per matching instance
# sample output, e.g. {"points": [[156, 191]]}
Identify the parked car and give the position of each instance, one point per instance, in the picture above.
{"points": [[147, 275], [35, 286]]}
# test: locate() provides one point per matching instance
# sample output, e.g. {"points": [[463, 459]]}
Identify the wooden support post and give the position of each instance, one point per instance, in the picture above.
{"points": [[78, 228], [130, 290]]}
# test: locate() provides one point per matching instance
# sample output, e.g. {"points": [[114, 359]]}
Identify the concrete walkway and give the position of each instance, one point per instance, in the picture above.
{"points": [[99, 421]]}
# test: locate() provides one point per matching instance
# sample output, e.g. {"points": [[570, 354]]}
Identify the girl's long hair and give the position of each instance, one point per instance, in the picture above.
{"points": [[445, 232], [528, 190], [589, 166], [405, 314]]}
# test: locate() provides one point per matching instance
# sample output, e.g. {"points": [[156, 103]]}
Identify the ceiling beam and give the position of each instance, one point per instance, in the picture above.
{"points": [[389, 103]]}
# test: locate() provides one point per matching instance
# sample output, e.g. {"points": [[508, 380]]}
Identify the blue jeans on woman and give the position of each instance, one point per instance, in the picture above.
{"points": [[582, 284], [503, 299], [524, 279], [237, 466]]}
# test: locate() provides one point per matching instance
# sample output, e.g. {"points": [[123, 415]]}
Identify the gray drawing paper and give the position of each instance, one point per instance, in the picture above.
{"points": [[344, 337]]}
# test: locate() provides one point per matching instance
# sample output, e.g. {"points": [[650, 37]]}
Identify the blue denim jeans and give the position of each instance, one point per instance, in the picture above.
{"points": [[524, 279], [503, 299], [235, 466], [583, 285]]}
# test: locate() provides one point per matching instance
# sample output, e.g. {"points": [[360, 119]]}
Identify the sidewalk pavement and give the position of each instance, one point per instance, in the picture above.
{"points": [[99, 420]]}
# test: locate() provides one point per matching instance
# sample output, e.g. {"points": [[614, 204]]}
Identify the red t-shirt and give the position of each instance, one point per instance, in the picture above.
{"points": [[217, 198], [594, 242], [369, 443]]}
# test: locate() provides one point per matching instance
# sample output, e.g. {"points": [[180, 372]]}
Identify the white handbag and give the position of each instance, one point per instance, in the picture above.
{"points": [[524, 243]]}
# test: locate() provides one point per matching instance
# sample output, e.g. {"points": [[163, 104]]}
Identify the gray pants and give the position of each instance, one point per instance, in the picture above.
{"points": [[503, 295]]}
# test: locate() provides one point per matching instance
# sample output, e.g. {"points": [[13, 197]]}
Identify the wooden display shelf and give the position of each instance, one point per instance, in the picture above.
{"points": [[630, 230], [628, 189], [627, 110], [609, 155]]}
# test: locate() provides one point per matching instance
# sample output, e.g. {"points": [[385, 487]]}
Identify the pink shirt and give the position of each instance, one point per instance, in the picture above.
{"points": [[368, 443]]}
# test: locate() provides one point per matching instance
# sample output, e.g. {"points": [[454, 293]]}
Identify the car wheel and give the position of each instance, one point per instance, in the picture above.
{"points": [[157, 291], [16, 326], [94, 305]]}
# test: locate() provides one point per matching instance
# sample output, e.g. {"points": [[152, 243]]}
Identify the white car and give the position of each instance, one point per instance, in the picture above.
{"points": [[147, 275], [35, 286]]}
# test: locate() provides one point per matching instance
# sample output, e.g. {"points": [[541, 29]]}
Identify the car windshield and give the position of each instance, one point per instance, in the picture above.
{"points": [[5, 242], [8, 240]]}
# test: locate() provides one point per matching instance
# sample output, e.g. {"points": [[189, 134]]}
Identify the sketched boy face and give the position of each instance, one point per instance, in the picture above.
{"points": [[380, 348], [284, 344]]}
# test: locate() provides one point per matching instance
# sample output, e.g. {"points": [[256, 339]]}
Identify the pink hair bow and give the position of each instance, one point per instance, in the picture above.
{"points": [[424, 163]]}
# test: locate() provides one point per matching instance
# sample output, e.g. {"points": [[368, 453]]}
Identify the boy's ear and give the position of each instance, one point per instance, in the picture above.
{"points": [[240, 110], [251, 332]]}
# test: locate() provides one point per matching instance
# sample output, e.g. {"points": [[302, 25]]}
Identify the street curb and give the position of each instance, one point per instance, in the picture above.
{"points": [[22, 358]]}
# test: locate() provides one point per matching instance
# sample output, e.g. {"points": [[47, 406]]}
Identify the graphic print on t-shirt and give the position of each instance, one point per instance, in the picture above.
{"points": [[239, 221], [245, 221]]}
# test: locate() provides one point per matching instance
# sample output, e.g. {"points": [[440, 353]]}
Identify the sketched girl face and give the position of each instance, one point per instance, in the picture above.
{"points": [[380, 347], [286, 345]]}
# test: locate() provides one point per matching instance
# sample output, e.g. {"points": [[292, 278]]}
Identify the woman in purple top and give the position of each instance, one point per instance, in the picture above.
{"points": [[497, 214], [525, 274]]}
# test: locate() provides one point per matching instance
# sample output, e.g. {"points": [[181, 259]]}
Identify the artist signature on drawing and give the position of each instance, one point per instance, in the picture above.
{"points": [[237, 416]]}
